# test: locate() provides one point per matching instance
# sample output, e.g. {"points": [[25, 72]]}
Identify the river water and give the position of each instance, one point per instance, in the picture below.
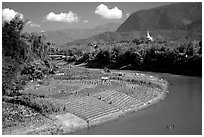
{"points": [[182, 108]]}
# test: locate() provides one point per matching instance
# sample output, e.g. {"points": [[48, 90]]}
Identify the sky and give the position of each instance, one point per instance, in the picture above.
{"points": [[45, 16]]}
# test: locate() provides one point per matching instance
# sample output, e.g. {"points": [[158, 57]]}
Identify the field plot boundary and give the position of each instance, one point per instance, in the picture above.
{"points": [[89, 102]]}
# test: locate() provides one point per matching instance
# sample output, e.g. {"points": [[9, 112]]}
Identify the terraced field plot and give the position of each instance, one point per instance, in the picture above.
{"points": [[89, 97], [78, 73], [90, 108], [60, 87], [91, 104], [117, 99]]}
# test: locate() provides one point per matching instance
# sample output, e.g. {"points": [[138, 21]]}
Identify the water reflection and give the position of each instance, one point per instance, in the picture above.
{"points": [[182, 108]]}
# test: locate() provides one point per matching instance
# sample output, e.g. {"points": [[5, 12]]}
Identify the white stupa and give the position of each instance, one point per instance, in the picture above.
{"points": [[150, 38]]}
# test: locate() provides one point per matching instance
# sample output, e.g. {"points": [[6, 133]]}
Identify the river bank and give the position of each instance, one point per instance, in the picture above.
{"points": [[98, 110], [182, 108]]}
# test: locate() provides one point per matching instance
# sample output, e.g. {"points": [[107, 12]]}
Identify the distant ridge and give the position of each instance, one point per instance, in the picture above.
{"points": [[68, 35], [182, 16], [170, 22]]}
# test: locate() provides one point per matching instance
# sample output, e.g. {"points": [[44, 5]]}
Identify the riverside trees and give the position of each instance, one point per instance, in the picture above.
{"points": [[173, 57], [20, 53]]}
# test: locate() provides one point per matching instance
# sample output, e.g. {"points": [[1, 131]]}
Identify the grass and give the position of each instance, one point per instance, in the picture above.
{"points": [[46, 99], [52, 95], [38, 103], [16, 115]]}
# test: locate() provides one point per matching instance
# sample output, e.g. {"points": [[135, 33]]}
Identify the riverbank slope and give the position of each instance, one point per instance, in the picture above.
{"points": [[84, 99]]}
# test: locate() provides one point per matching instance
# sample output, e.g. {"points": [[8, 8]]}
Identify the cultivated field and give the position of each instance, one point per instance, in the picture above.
{"points": [[87, 97]]}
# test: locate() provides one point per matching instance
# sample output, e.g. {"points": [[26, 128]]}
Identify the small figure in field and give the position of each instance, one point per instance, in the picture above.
{"points": [[106, 70], [62, 91], [170, 126]]}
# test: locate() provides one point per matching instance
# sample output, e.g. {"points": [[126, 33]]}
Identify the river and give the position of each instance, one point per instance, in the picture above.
{"points": [[182, 108]]}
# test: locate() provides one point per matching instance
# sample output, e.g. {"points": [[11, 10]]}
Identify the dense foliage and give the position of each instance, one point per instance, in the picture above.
{"points": [[174, 57], [24, 55]]}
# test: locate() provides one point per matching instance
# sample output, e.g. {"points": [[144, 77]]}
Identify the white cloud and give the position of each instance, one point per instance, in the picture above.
{"points": [[127, 15], [85, 21], [29, 22], [62, 17], [9, 14], [42, 31], [34, 25], [108, 13]]}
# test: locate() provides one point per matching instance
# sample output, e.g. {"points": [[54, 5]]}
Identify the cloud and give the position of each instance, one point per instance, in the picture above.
{"points": [[62, 17], [9, 14], [29, 22], [34, 25], [85, 21], [42, 31], [127, 15], [107, 13]]}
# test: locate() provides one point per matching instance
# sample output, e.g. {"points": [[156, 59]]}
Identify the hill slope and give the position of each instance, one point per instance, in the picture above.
{"points": [[182, 21], [182, 16], [110, 37], [68, 35]]}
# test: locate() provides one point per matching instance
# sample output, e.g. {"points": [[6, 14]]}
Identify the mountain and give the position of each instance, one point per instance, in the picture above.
{"points": [[174, 22], [110, 37], [182, 16], [68, 35], [106, 37]]}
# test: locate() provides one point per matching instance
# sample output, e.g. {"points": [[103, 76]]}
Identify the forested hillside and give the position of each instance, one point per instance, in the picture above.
{"points": [[182, 16]]}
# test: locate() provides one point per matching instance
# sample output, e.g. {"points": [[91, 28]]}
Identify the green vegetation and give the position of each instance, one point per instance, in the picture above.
{"points": [[25, 59], [39, 103], [177, 57], [24, 56]]}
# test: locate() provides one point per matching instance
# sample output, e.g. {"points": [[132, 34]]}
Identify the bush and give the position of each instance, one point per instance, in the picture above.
{"points": [[22, 54], [39, 103], [149, 56], [9, 73]]}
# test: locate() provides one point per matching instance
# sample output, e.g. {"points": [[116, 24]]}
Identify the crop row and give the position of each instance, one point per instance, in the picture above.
{"points": [[90, 108], [122, 100]]}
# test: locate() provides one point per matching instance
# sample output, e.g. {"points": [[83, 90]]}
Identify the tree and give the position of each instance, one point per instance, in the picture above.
{"points": [[21, 52], [103, 57], [13, 51], [12, 43]]}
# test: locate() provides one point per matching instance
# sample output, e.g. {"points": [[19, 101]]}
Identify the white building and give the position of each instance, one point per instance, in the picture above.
{"points": [[150, 38]]}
